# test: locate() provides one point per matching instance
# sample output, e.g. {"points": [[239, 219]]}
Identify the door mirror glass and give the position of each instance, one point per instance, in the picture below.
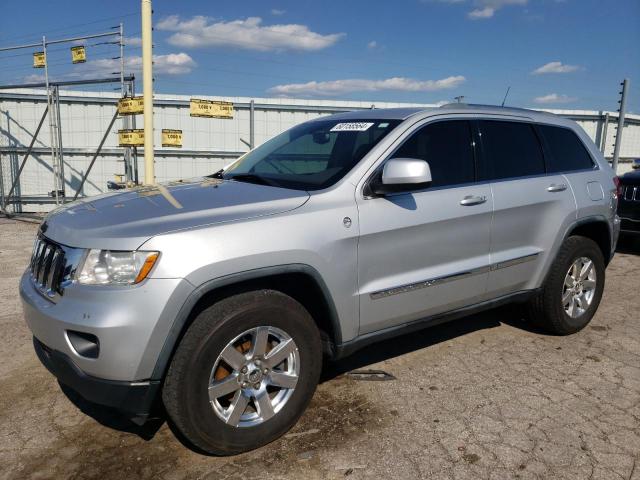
{"points": [[402, 174]]}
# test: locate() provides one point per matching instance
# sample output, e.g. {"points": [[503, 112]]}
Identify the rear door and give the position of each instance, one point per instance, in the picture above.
{"points": [[426, 251], [531, 206]]}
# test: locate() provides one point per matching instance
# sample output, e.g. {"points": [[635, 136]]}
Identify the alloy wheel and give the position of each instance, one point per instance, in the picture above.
{"points": [[254, 376], [579, 287]]}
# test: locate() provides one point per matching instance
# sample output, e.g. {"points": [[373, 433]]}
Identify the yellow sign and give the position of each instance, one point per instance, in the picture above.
{"points": [[171, 138], [39, 60], [130, 106], [78, 54], [210, 108], [131, 137]]}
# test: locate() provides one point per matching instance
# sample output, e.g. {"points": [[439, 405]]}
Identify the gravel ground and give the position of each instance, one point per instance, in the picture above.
{"points": [[482, 397]]}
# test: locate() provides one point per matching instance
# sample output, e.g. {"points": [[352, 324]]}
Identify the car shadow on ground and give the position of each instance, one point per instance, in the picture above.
{"points": [[374, 353], [425, 338]]}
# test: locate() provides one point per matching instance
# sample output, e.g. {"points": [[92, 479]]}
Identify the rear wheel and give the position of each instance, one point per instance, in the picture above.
{"points": [[244, 372], [572, 291]]}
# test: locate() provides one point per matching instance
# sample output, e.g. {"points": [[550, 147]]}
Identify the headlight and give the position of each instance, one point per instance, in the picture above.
{"points": [[106, 267]]}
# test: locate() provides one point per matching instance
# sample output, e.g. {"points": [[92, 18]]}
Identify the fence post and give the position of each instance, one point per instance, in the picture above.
{"points": [[621, 112]]}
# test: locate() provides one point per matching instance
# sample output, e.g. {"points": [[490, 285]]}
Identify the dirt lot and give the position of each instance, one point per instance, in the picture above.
{"points": [[483, 397]]}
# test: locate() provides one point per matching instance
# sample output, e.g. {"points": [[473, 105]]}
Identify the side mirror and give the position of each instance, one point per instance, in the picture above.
{"points": [[402, 174]]}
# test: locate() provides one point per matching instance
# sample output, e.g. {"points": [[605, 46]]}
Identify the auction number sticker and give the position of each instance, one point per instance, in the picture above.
{"points": [[351, 127]]}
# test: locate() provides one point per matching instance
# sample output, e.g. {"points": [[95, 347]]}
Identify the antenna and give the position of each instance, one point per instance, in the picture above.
{"points": [[459, 98], [505, 96]]}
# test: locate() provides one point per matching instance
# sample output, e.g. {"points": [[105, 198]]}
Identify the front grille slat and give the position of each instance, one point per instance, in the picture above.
{"points": [[631, 193], [47, 267], [43, 271], [54, 269], [40, 262]]}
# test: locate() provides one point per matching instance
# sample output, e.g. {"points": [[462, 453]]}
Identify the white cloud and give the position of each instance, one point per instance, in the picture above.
{"points": [[170, 64], [483, 9], [133, 41], [555, 67], [277, 12], [33, 78], [554, 98], [372, 44], [249, 34], [339, 87], [478, 13]]}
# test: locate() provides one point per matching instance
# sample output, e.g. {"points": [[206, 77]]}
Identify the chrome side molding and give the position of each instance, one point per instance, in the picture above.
{"points": [[450, 278]]}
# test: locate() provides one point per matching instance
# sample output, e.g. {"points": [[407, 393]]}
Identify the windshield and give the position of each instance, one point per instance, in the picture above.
{"points": [[311, 156]]}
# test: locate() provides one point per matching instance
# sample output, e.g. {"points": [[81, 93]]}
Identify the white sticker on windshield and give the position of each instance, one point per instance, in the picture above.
{"points": [[351, 127]]}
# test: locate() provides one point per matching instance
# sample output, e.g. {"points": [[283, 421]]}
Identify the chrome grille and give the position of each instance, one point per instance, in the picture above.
{"points": [[631, 193], [48, 267]]}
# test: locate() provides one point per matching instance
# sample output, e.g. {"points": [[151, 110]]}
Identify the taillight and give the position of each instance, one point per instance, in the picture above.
{"points": [[618, 184]]}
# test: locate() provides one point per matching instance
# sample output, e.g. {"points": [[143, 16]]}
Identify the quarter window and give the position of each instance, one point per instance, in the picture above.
{"points": [[567, 152], [447, 148], [511, 149]]}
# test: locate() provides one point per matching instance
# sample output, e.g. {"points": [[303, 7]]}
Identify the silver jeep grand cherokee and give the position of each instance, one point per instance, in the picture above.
{"points": [[220, 296]]}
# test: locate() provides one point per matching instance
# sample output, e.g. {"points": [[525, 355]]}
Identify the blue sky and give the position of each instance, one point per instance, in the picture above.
{"points": [[553, 53]]}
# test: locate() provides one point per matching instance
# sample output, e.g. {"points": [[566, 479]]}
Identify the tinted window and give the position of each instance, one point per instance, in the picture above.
{"points": [[447, 148], [566, 150], [511, 149]]}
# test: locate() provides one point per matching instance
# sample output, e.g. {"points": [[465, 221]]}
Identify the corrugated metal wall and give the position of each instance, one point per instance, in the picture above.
{"points": [[208, 144]]}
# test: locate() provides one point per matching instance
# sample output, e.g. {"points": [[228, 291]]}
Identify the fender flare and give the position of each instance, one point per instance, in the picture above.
{"points": [[180, 322], [595, 219]]}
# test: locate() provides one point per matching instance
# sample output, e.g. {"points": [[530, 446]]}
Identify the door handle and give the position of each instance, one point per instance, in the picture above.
{"points": [[470, 200], [556, 187]]}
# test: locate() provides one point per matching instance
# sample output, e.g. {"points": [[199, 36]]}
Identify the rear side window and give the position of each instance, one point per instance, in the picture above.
{"points": [[511, 149], [447, 148], [566, 150]]}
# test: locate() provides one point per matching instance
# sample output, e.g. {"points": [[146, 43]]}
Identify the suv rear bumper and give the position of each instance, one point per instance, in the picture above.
{"points": [[630, 225], [133, 398]]}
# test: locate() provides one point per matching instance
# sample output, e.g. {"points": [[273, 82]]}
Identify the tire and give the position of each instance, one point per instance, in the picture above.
{"points": [[547, 309], [204, 422]]}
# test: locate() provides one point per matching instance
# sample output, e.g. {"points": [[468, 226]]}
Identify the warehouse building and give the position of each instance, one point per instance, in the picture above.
{"points": [[206, 144]]}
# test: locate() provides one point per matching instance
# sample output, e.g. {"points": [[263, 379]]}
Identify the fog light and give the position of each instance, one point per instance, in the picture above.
{"points": [[85, 344]]}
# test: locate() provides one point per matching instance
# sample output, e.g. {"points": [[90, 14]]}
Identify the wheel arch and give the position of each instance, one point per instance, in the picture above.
{"points": [[302, 282], [596, 229]]}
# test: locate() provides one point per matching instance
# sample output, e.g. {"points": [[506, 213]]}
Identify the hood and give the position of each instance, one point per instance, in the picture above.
{"points": [[126, 219], [631, 178]]}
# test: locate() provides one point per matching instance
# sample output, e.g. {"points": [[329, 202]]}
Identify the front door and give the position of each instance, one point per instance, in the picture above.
{"points": [[424, 252]]}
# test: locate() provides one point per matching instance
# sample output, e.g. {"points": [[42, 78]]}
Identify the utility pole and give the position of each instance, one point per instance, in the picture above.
{"points": [[621, 113], [147, 92]]}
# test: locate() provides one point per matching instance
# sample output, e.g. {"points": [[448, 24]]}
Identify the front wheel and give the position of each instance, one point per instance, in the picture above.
{"points": [[244, 372], [572, 291]]}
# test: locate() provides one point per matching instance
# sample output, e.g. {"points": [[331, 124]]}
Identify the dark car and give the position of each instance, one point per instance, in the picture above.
{"points": [[629, 203]]}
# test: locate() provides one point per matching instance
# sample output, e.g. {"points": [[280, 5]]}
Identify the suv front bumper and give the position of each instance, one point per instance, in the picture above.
{"points": [[130, 324], [133, 398]]}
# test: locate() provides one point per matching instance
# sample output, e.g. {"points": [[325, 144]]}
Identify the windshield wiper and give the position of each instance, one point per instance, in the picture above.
{"points": [[218, 174], [251, 178]]}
